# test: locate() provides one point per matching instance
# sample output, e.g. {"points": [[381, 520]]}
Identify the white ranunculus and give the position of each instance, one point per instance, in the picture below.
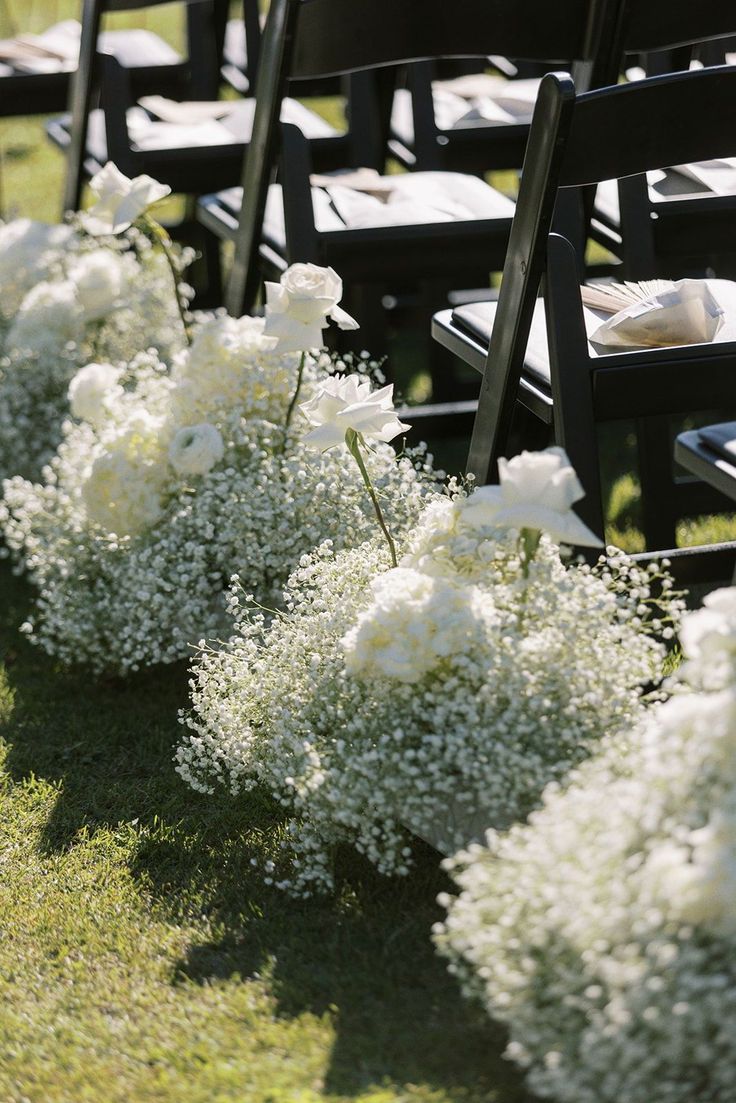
{"points": [[301, 306], [537, 491], [91, 390], [120, 201], [342, 403], [196, 449], [100, 282]]}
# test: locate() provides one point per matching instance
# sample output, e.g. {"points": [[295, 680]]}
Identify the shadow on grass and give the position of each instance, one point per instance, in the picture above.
{"points": [[366, 958], [362, 956]]}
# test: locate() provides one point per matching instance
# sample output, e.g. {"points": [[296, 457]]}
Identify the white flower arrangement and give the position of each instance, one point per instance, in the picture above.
{"points": [[603, 933], [447, 690], [89, 301], [29, 252], [174, 482]]}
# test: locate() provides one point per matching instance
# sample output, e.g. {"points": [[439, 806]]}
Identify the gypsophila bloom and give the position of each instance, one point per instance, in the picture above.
{"points": [[301, 306], [120, 200], [88, 304], [141, 518], [430, 696], [537, 491], [603, 933], [345, 402], [196, 449]]}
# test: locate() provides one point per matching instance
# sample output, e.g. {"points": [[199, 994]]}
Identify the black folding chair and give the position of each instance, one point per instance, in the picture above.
{"points": [[692, 227], [242, 50], [190, 160], [466, 119], [39, 82], [314, 38], [197, 77], [710, 454], [548, 363], [444, 124]]}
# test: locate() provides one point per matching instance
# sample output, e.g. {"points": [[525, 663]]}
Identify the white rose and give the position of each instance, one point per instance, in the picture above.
{"points": [[100, 282], [537, 491], [120, 201], [91, 390], [301, 305], [344, 402], [196, 449]]}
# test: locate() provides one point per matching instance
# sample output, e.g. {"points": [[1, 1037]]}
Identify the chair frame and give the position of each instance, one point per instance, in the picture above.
{"points": [[199, 73], [291, 49], [669, 34], [566, 151]]}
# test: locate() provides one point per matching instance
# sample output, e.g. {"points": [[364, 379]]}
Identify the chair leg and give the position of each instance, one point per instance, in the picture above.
{"points": [[205, 273], [442, 365], [528, 432], [657, 482]]}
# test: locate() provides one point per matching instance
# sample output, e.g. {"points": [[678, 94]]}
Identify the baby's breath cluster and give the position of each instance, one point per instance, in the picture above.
{"points": [[441, 695], [603, 933], [170, 482], [67, 300]]}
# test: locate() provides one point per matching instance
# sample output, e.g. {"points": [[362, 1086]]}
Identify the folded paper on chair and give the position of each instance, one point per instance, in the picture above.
{"points": [[686, 314]]}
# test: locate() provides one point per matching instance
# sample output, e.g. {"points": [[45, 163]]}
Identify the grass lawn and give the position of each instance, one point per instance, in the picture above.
{"points": [[141, 960]]}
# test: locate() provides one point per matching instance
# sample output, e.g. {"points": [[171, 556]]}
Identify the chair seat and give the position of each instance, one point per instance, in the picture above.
{"points": [[414, 199], [710, 454], [468, 102], [671, 184], [477, 320], [421, 199], [39, 85], [232, 129], [135, 49]]}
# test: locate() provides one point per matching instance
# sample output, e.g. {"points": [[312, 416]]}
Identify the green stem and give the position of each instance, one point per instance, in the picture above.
{"points": [[165, 242], [528, 544], [295, 396], [353, 439]]}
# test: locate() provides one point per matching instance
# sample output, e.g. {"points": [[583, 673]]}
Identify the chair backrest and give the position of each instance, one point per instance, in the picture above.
{"points": [[575, 142], [648, 25], [204, 24], [306, 39]]}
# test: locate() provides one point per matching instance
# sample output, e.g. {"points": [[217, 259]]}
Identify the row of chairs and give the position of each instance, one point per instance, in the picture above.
{"points": [[558, 378]]}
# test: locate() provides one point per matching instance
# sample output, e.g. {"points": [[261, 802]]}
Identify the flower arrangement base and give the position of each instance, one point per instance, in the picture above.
{"points": [[451, 826]]}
